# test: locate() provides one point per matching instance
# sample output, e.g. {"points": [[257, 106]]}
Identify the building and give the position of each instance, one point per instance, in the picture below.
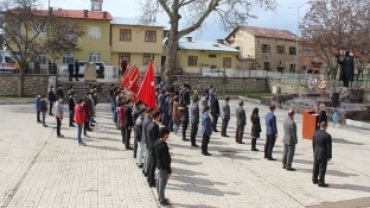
{"points": [[197, 56], [310, 62], [136, 41], [263, 48]]}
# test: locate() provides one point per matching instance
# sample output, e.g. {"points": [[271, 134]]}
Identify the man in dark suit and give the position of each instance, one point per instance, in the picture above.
{"points": [[271, 133], [241, 121], [154, 136], [225, 115], [206, 131], [72, 105], [215, 112], [290, 140], [194, 121], [128, 123], [322, 153], [347, 68], [52, 98], [184, 112], [322, 115], [145, 136], [70, 70], [77, 68]]}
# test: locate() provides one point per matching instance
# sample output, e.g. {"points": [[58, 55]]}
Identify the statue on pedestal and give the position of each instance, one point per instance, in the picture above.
{"points": [[347, 64]]}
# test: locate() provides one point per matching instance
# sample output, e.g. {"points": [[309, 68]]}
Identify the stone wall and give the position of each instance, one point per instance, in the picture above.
{"points": [[32, 84], [286, 88], [225, 85]]}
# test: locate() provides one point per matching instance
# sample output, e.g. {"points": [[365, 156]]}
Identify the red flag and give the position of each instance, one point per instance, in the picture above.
{"points": [[126, 78], [134, 83], [147, 91]]}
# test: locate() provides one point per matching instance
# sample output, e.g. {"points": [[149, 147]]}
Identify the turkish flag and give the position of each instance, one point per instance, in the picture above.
{"points": [[134, 81], [147, 91], [126, 77]]}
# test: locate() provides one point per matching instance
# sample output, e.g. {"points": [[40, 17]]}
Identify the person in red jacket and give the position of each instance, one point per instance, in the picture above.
{"points": [[79, 118], [86, 109]]}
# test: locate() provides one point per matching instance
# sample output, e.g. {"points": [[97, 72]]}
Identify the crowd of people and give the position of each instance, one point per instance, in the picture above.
{"points": [[174, 109]]}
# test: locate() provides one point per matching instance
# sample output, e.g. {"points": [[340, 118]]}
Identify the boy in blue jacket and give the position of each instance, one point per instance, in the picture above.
{"points": [[206, 130]]}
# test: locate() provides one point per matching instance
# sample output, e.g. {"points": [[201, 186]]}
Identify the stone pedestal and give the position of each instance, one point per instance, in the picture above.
{"points": [[350, 95]]}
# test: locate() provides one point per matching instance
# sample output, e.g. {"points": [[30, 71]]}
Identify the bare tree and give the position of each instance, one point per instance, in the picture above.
{"points": [[231, 13], [26, 33], [332, 25]]}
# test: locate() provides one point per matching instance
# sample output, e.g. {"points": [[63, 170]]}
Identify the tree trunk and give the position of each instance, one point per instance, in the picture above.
{"points": [[171, 52], [22, 67]]}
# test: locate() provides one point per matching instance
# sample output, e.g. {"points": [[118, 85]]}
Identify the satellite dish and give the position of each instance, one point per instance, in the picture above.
{"points": [[312, 82]]}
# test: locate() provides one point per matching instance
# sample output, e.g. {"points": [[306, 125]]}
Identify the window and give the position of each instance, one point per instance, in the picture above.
{"points": [[280, 49], [41, 58], [39, 30], [94, 57], [150, 36], [227, 62], [9, 60], [147, 58], [266, 66], [265, 48], [212, 55], [292, 51], [95, 32], [68, 58], [125, 56], [125, 35], [192, 60], [292, 68], [96, 6]]}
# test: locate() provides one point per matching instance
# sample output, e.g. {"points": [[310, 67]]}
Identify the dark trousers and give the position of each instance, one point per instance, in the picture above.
{"points": [[193, 134], [224, 127], [86, 127], [59, 123], [70, 75], [152, 163], [128, 137], [123, 134], [269, 145], [170, 124], [76, 75], [184, 128], [288, 155], [51, 107], [205, 142], [38, 116], [319, 170], [239, 134], [164, 119], [214, 123], [71, 116], [135, 146]]}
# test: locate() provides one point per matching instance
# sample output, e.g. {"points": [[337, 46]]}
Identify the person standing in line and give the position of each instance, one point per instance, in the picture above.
{"points": [[322, 115], [72, 105], [77, 68], [138, 135], [112, 100], [206, 130], [170, 107], [79, 118], [184, 112], [128, 123], [256, 128], [161, 101], [241, 122], [87, 110], [145, 134], [205, 101], [290, 140], [70, 71], [271, 133], [60, 92], [52, 99], [165, 116], [194, 121], [175, 114], [92, 109], [59, 115], [164, 170], [121, 120], [43, 109], [71, 90], [322, 151], [211, 94], [225, 115], [37, 106], [135, 114], [215, 112], [154, 136]]}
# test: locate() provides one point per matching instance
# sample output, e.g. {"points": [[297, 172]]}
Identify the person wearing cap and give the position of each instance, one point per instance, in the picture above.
{"points": [[59, 115], [72, 105], [194, 121], [215, 112], [241, 121], [206, 130], [322, 153], [290, 140], [52, 99], [137, 136], [225, 115], [271, 133]]}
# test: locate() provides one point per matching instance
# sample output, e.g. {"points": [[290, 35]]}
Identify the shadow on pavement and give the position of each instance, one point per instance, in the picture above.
{"points": [[184, 172], [185, 162], [350, 187], [191, 206], [343, 141]]}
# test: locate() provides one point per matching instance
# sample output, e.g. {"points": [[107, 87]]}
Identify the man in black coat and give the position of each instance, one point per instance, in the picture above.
{"points": [[127, 124], [322, 115], [154, 136], [322, 150], [60, 92], [194, 121], [225, 115], [215, 112], [184, 112], [77, 68], [72, 105], [52, 98], [347, 68], [70, 70]]}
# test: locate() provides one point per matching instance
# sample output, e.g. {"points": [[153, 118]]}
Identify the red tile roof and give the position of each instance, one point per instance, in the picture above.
{"points": [[266, 32], [74, 14]]}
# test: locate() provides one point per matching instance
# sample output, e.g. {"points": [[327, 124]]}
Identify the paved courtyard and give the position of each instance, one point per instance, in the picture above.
{"points": [[39, 170]]}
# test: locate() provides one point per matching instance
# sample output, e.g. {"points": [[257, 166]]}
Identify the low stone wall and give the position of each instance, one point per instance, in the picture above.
{"points": [[290, 88], [225, 85], [32, 84]]}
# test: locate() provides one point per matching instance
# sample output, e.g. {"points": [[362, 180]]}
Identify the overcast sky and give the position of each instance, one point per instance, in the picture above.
{"points": [[284, 17]]}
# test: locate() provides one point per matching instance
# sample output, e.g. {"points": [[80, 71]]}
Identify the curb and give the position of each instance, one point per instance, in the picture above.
{"points": [[358, 124], [250, 100]]}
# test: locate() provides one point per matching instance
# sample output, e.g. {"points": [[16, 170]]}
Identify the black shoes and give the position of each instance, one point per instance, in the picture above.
{"points": [[60, 136], [323, 185], [185, 139], [195, 145], [271, 159], [254, 150], [206, 154], [240, 143], [315, 181], [290, 169], [165, 203], [129, 148], [72, 125]]}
